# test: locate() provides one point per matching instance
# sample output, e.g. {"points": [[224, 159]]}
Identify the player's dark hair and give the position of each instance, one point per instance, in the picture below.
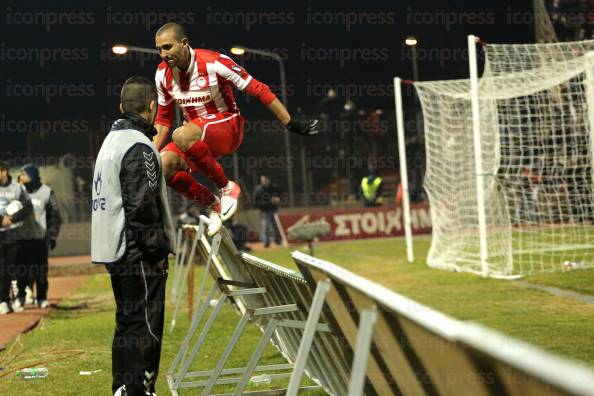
{"points": [[178, 30], [3, 166], [137, 93]]}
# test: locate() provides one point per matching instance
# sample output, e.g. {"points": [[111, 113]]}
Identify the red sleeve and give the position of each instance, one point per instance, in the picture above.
{"points": [[232, 72], [261, 91], [238, 76], [164, 114]]}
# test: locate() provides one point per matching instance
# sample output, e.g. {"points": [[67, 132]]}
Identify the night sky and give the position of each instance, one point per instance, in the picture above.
{"points": [[57, 64]]}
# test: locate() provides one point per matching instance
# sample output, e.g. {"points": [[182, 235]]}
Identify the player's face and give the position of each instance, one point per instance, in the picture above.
{"points": [[170, 49]]}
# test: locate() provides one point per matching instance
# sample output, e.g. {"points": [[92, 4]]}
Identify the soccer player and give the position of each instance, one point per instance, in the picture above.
{"points": [[201, 82]]}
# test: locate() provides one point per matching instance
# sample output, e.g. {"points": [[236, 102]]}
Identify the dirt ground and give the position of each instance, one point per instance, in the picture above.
{"points": [[60, 287], [77, 269]]}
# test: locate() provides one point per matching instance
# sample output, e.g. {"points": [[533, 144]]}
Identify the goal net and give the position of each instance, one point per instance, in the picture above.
{"points": [[536, 117]]}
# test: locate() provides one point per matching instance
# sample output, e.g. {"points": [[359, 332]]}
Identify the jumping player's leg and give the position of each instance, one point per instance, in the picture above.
{"points": [[176, 171], [208, 137], [188, 138], [177, 175]]}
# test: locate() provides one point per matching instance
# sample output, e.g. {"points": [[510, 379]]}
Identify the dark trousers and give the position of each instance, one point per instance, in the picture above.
{"points": [[139, 290], [268, 228], [8, 269], [33, 255]]}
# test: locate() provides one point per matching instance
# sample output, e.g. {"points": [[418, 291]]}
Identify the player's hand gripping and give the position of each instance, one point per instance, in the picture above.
{"points": [[307, 128]]}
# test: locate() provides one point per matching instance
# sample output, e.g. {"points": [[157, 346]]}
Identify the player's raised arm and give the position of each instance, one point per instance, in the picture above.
{"points": [[306, 127], [242, 80]]}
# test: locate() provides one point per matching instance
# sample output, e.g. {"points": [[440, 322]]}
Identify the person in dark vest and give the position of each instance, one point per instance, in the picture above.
{"points": [[132, 235], [34, 249], [15, 208]]}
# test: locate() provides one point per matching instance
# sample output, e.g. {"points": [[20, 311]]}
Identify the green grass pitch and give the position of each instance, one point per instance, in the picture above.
{"points": [[70, 341]]}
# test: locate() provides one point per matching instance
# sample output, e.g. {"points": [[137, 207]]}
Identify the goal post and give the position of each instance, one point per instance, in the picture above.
{"points": [[509, 160], [403, 169], [478, 158], [589, 88]]}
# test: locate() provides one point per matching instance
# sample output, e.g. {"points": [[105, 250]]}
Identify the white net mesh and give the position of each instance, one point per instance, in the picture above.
{"points": [[536, 116]]}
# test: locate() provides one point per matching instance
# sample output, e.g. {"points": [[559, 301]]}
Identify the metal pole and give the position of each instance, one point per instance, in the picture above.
{"points": [[283, 88], [403, 169], [362, 349], [415, 63], [589, 89], [235, 167], [305, 198], [478, 157], [307, 338], [133, 48], [192, 264]]}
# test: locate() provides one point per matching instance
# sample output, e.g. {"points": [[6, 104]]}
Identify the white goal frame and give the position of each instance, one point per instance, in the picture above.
{"points": [[481, 176]]}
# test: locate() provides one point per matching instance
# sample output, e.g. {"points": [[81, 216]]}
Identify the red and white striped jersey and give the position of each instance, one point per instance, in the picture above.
{"points": [[205, 88]]}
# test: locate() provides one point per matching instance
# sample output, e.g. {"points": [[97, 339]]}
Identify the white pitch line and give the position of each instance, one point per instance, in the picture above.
{"points": [[557, 291]]}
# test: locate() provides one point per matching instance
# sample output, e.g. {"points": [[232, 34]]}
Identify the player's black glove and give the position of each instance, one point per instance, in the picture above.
{"points": [[307, 128], [51, 244]]}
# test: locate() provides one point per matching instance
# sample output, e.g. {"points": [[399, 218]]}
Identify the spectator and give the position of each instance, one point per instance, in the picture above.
{"points": [[44, 231], [10, 235], [371, 188], [267, 198]]}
